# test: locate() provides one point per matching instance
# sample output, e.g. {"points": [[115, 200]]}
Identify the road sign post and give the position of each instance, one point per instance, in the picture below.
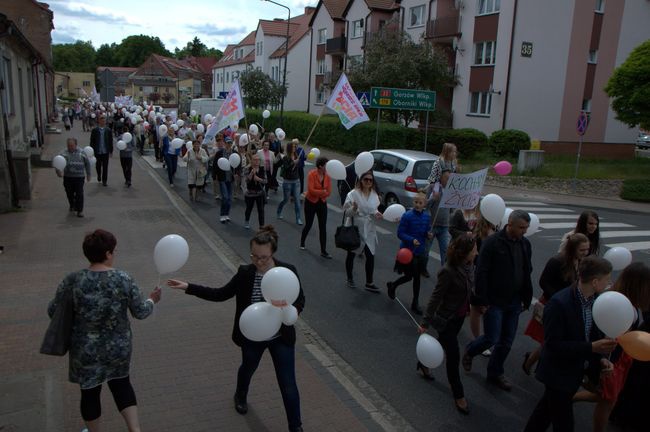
{"points": [[581, 128]]}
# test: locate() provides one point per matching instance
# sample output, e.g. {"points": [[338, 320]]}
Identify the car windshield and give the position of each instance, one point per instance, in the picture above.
{"points": [[422, 169]]}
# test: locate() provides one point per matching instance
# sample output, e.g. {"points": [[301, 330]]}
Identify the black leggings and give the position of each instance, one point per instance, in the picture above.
{"points": [[315, 209], [370, 264], [250, 202], [123, 395], [418, 263]]}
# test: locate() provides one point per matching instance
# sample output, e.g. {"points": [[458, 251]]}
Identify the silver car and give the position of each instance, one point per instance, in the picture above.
{"points": [[643, 140]]}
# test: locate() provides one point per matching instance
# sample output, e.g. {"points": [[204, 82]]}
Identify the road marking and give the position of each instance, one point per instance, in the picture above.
{"points": [[543, 216], [524, 203], [632, 246], [543, 209], [564, 225], [380, 230], [434, 255], [614, 234]]}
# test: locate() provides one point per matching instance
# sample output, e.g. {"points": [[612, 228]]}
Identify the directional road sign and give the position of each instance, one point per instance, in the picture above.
{"points": [[406, 99]]}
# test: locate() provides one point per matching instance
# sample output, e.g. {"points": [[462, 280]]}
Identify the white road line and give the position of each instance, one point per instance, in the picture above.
{"points": [[543, 216], [381, 230], [524, 203], [334, 208], [434, 255], [543, 209], [632, 246], [564, 225], [615, 234]]}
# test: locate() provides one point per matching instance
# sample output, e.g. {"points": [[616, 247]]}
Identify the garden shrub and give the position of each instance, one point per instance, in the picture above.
{"points": [[508, 142]]}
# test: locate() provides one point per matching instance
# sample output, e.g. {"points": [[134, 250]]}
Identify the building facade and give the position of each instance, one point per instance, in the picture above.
{"points": [[73, 84]]}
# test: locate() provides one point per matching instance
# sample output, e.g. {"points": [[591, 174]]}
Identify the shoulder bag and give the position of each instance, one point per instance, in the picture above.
{"points": [[347, 237], [57, 337]]}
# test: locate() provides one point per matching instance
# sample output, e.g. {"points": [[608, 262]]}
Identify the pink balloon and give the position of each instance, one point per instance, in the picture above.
{"points": [[503, 168]]}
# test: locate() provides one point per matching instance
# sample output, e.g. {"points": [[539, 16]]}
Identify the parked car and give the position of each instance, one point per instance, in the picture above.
{"points": [[643, 140], [399, 175]]}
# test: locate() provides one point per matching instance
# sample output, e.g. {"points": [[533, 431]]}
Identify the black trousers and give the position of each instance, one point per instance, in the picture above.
{"points": [[555, 408], [127, 167], [250, 202], [370, 264], [74, 190], [413, 271], [102, 167], [123, 395], [448, 338], [319, 208]]}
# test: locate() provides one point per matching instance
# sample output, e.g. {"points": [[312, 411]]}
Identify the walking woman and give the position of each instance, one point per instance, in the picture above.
{"points": [[267, 159], [170, 154], [225, 179], [256, 180], [245, 286], [446, 161], [448, 307], [319, 187], [100, 348], [589, 225], [361, 205], [196, 158], [290, 180]]}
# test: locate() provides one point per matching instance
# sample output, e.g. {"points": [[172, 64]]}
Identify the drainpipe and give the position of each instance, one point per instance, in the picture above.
{"points": [[512, 40], [39, 108], [311, 50]]}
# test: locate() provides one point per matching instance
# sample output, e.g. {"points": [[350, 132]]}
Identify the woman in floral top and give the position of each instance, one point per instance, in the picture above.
{"points": [[100, 349]]}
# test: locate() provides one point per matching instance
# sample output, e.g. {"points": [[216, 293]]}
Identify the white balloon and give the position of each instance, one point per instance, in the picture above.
{"points": [[243, 140], [103, 108], [280, 134], [534, 225], [613, 313], [93, 160], [171, 253], [146, 124], [620, 257], [207, 118], [92, 115], [177, 143], [266, 114], [280, 283], [59, 162], [234, 126], [121, 145], [162, 130], [335, 169], [260, 321], [200, 128], [253, 129], [316, 152], [175, 127], [180, 123], [89, 151], [429, 351], [145, 113], [363, 163], [127, 137], [223, 164], [506, 215], [394, 212], [493, 208], [234, 160], [193, 113], [289, 315], [188, 145]]}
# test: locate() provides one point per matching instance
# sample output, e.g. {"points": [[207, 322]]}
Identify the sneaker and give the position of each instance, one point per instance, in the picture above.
{"points": [[500, 381], [372, 288], [299, 221], [171, 185], [247, 225], [325, 255], [227, 218], [302, 247], [391, 290], [240, 404], [222, 219], [351, 284], [280, 217], [486, 353]]}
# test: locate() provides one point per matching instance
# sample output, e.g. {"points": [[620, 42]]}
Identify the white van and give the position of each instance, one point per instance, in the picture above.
{"points": [[204, 106]]}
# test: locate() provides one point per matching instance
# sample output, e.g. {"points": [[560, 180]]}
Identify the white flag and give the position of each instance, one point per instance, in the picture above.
{"points": [[94, 96], [345, 103], [230, 112]]}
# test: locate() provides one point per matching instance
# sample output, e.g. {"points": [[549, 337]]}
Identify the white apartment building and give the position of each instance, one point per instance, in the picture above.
{"points": [[236, 59]]}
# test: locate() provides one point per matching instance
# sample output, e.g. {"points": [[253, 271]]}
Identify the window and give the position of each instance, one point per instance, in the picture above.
{"points": [[485, 53], [8, 94], [140, 88], [401, 165], [388, 163], [227, 76], [259, 48], [488, 6], [417, 16], [155, 89], [593, 57], [321, 66], [322, 36], [357, 28], [586, 105], [480, 103], [600, 6], [86, 84], [320, 97]]}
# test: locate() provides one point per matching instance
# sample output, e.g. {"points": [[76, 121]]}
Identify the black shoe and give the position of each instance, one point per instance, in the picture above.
{"points": [[240, 404], [425, 274], [391, 290], [416, 309], [72, 209], [372, 288], [500, 381], [326, 255], [351, 284], [104, 184], [80, 214], [462, 409], [467, 362], [425, 371]]}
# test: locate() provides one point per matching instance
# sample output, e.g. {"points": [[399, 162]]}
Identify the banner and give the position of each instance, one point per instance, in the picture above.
{"points": [[231, 111], [125, 101], [345, 103], [94, 96], [463, 191]]}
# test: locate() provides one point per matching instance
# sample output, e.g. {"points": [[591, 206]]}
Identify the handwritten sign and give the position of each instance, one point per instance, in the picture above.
{"points": [[463, 191]]}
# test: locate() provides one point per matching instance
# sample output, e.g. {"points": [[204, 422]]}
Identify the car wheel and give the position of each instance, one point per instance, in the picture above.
{"points": [[390, 199]]}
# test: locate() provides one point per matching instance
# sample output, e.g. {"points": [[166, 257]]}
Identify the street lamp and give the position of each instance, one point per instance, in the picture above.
{"points": [[286, 56]]}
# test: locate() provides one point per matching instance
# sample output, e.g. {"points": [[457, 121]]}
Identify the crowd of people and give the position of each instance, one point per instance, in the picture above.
{"points": [[485, 272]]}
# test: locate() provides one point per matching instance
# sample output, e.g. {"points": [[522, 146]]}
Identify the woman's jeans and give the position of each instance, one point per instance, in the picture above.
{"points": [[171, 161], [441, 233], [283, 357], [290, 187], [226, 197]]}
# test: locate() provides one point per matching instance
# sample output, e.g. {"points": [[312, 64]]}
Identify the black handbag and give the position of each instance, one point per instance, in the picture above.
{"points": [[347, 237], [59, 332]]}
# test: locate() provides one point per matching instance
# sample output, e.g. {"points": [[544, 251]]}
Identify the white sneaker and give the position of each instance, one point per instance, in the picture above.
{"points": [[222, 219], [486, 353]]}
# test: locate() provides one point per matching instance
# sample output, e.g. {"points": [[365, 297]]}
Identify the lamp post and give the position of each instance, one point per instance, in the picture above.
{"points": [[286, 56]]}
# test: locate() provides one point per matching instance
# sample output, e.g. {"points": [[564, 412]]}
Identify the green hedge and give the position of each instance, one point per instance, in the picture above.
{"points": [[508, 142], [636, 190], [331, 134]]}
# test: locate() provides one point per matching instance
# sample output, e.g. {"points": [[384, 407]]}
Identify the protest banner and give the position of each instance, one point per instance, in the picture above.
{"points": [[345, 103], [463, 191], [231, 111]]}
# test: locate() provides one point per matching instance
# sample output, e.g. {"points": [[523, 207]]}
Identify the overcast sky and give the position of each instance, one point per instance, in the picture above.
{"points": [[216, 22]]}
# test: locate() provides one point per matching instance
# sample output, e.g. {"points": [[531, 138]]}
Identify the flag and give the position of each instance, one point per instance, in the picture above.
{"points": [[83, 92], [231, 111], [94, 96], [345, 103]]}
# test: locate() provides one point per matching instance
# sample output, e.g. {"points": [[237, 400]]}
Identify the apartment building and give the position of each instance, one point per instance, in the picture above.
{"points": [[236, 59]]}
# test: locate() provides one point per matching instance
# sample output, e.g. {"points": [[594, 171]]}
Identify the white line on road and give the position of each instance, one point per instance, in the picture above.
{"points": [[434, 255], [615, 234], [525, 203], [564, 225], [543, 216], [632, 246], [543, 209]]}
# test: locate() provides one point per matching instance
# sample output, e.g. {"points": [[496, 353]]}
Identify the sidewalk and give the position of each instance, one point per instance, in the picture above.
{"points": [[184, 363]]}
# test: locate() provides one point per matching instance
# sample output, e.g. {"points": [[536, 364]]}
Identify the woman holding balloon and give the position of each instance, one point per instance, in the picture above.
{"points": [[246, 287], [196, 159], [225, 177], [448, 307], [170, 154], [289, 171]]}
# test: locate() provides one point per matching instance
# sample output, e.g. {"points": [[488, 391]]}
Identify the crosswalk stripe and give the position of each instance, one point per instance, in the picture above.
{"points": [[632, 246], [525, 203], [561, 225], [543, 216], [543, 209], [615, 234], [337, 209], [434, 255]]}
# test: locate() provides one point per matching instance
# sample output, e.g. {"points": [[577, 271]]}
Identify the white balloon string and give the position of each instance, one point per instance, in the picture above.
{"points": [[158, 285], [409, 313]]}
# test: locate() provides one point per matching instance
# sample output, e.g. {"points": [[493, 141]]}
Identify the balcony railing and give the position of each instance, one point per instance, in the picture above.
{"points": [[336, 45], [445, 27]]}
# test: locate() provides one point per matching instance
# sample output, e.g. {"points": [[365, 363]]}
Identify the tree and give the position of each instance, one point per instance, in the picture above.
{"points": [[393, 59], [76, 57], [196, 48], [107, 55], [259, 90], [167, 97], [629, 88], [134, 50]]}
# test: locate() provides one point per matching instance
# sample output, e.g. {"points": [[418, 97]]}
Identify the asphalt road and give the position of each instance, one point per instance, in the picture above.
{"points": [[377, 337]]}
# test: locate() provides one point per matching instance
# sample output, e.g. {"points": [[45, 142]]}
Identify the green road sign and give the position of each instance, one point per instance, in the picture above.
{"points": [[406, 99]]}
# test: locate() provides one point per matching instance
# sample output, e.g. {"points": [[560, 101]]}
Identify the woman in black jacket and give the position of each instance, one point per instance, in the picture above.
{"points": [[448, 307], [246, 287]]}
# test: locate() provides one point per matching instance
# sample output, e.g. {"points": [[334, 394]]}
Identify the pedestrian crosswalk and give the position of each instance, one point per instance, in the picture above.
{"points": [[555, 221]]}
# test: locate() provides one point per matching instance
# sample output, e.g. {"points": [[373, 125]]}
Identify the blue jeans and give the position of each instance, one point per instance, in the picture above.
{"points": [[441, 233], [284, 360], [171, 161], [290, 187], [500, 328], [226, 197]]}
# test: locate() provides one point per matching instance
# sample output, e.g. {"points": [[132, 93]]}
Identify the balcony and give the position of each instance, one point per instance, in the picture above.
{"points": [[336, 45], [331, 78], [445, 28]]}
